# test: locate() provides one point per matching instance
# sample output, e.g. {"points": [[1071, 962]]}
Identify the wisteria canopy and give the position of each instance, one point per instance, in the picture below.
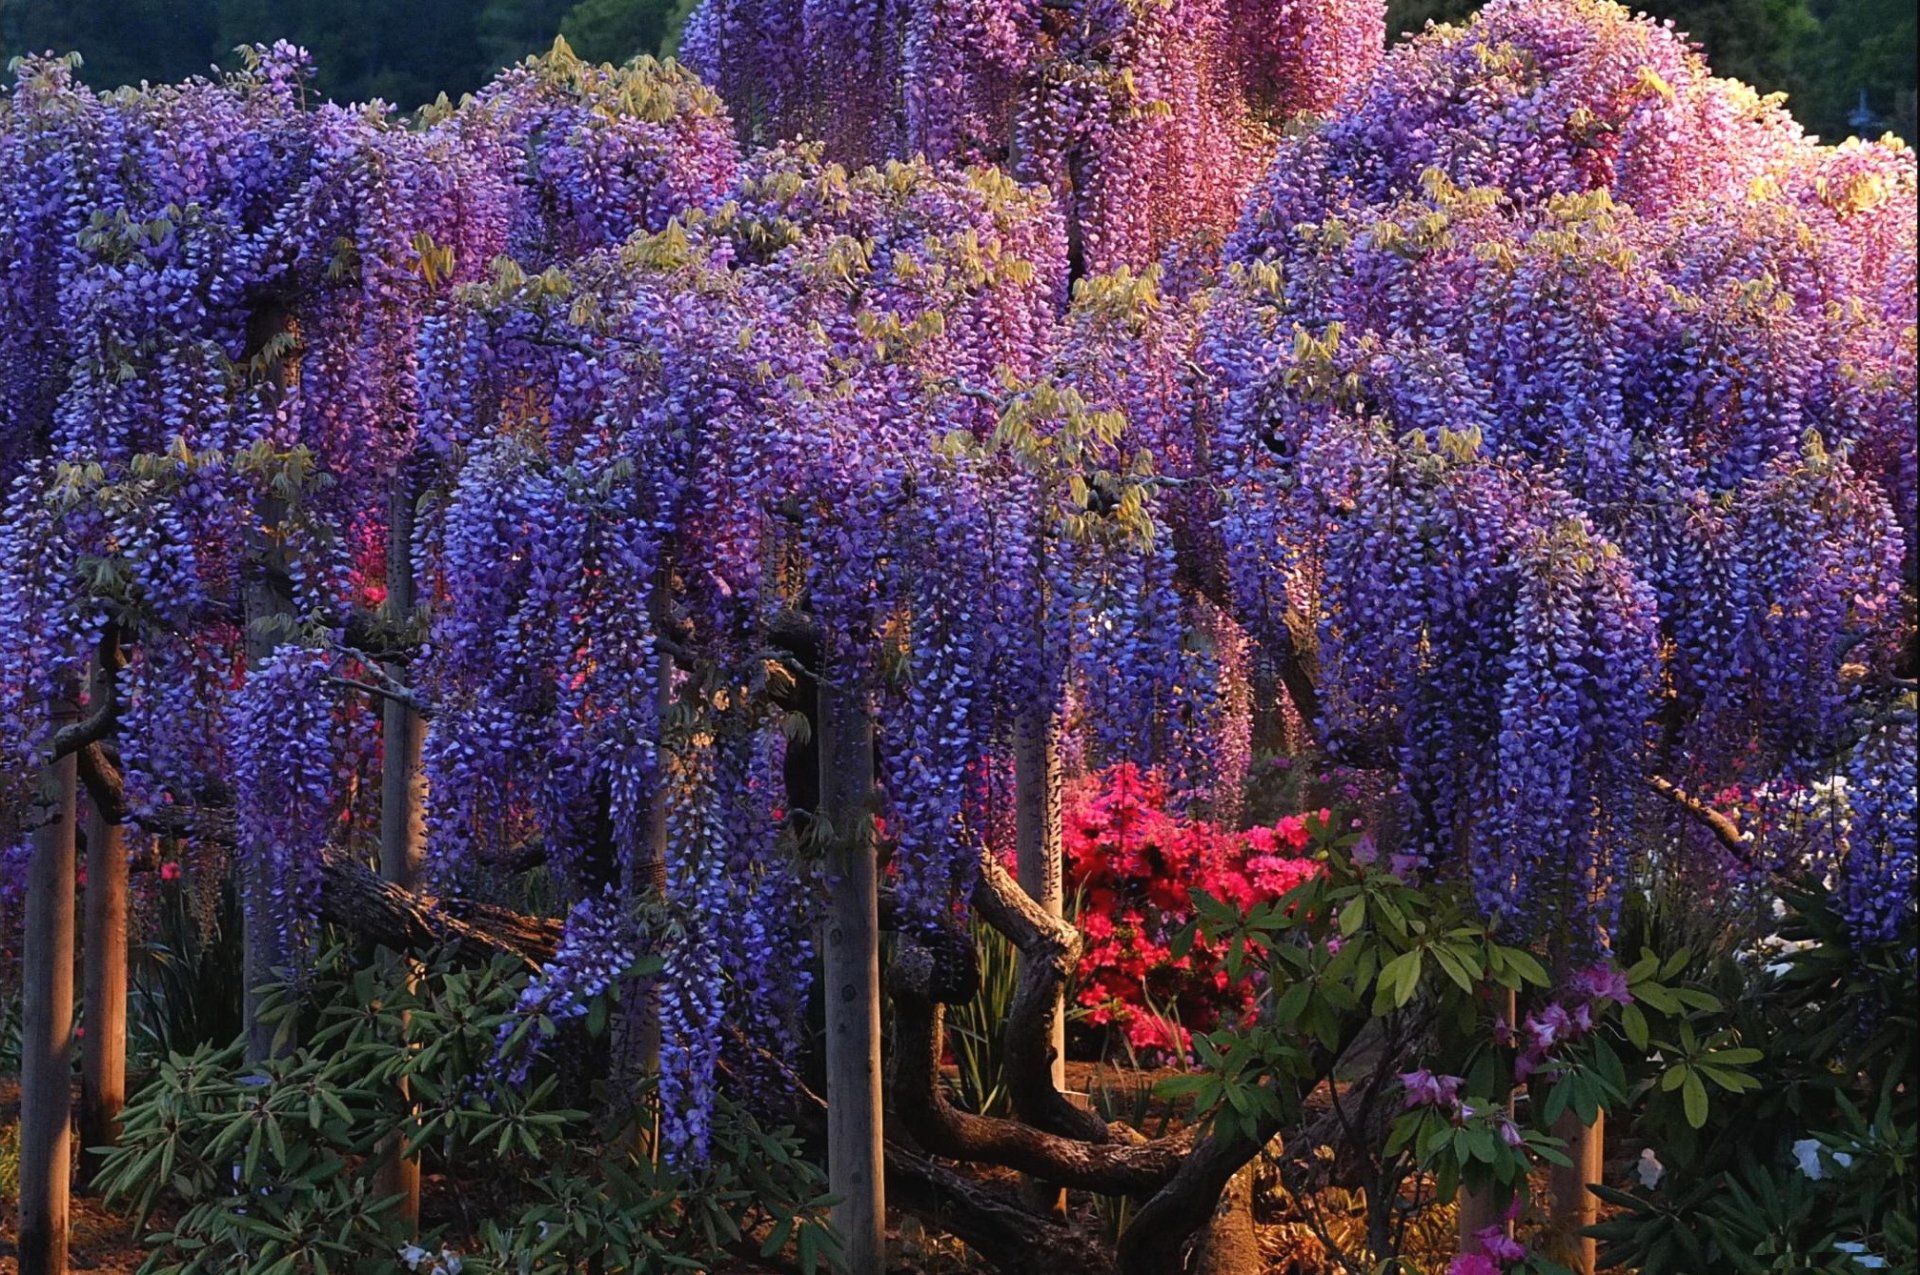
{"points": [[1536, 408]]}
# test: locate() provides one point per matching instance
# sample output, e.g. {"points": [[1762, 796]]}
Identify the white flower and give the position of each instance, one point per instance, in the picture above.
{"points": [[413, 1255], [1861, 1257], [1650, 1170], [449, 1262], [1807, 1152]]}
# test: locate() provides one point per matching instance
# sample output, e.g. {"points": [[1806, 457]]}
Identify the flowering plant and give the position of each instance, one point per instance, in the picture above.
{"points": [[1365, 964], [1134, 866]]}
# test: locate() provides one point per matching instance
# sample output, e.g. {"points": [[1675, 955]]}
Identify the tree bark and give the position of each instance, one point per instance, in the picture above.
{"points": [[636, 1024], [1229, 1245], [409, 921], [994, 1226], [103, 1054], [1037, 851], [1049, 951], [1155, 1242], [852, 950], [920, 1103], [1036, 804], [46, 1037]]}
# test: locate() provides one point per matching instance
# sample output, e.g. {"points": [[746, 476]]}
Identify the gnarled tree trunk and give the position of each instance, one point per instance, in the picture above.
{"points": [[265, 598]]}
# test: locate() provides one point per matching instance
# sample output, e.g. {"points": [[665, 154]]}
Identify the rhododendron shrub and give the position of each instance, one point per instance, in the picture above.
{"points": [[1133, 866]]}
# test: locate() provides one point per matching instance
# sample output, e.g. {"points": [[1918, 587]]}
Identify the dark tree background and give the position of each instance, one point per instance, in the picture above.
{"points": [[1825, 54], [404, 51]]}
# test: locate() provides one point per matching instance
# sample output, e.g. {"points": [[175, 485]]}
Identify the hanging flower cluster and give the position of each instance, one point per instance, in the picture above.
{"points": [[1553, 387], [1147, 121], [1552, 413], [284, 738]]}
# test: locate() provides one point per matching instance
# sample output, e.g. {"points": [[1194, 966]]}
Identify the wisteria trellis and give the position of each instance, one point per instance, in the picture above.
{"points": [[1548, 408]]}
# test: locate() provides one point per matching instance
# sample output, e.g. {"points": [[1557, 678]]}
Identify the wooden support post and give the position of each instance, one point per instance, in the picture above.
{"points": [[1478, 1210], [636, 1023], [46, 1037], [264, 598], [1041, 872], [103, 1052], [1575, 1207], [852, 951], [403, 800], [1038, 865]]}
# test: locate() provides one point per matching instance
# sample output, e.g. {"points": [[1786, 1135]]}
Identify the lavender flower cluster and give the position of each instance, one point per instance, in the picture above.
{"points": [[1552, 406]]}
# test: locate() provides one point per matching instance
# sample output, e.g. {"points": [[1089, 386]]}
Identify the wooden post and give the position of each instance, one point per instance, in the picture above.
{"points": [[852, 951], [1036, 787], [46, 1037], [103, 1052], [403, 800], [264, 598], [1574, 1206], [1479, 1211], [636, 1024], [1039, 868]]}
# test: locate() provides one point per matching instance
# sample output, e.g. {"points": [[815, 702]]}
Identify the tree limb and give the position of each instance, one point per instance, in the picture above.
{"points": [[1155, 1242], [988, 1219], [1723, 827], [1112, 1166], [1051, 948], [93, 728]]}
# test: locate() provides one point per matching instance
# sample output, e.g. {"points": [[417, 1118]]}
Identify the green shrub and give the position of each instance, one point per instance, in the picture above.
{"points": [[271, 1168]]}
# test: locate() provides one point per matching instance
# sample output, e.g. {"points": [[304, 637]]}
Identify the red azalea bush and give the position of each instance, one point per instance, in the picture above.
{"points": [[1133, 866]]}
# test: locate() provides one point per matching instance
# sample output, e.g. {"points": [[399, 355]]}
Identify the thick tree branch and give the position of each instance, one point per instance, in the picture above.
{"points": [[1051, 948], [101, 778], [1723, 827], [992, 1223], [102, 714], [354, 898], [1155, 1242], [1112, 1167]]}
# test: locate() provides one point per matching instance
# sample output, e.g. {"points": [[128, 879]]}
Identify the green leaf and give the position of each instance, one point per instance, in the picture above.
{"points": [[1353, 916], [1634, 1023], [1529, 969], [1694, 1095]]}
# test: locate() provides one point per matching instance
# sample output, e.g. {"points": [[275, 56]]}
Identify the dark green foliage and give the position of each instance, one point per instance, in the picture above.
{"points": [[187, 977], [1388, 986], [1835, 1092], [272, 1167], [614, 30]]}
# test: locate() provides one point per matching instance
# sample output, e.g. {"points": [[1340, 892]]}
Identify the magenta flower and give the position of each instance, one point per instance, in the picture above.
{"points": [[1424, 1089], [1602, 982]]}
